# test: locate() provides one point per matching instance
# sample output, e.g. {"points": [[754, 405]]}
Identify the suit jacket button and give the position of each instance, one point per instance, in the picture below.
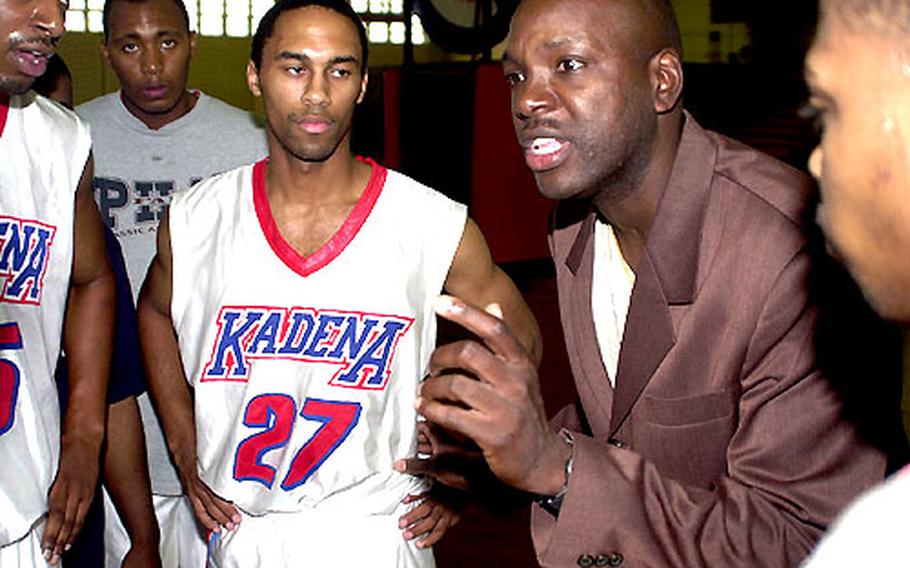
{"points": [[616, 559], [586, 561], [602, 560], [616, 442]]}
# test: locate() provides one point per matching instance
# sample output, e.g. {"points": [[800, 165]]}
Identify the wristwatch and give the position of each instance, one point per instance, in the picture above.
{"points": [[553, 503]]}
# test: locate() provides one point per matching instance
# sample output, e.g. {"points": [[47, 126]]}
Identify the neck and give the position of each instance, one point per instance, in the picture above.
{"points": [[632, 213], [292, 180], [155, 121]]}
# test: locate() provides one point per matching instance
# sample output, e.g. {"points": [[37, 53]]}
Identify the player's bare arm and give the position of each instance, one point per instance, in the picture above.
{"points": [[476, 279], [127, 481], [87, 339], [169, 388]]}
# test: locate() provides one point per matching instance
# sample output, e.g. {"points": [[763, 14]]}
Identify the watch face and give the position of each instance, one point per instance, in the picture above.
{"points": [[466, 26]]}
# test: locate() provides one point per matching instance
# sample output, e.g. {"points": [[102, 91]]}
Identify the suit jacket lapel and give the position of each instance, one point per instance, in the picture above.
{"points": [[575, 308], [647, 338], [668, 271], [667, 275]]}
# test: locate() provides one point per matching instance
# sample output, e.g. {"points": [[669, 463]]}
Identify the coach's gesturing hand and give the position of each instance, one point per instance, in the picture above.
{"points": [[488, 391]]}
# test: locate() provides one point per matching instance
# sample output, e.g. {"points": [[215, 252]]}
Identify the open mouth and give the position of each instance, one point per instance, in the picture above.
{"points": [[32, 62], [545, 153]]}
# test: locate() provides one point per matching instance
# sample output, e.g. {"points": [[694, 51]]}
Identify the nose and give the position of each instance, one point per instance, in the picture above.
{"points": [[816, 161], [151, 61], [531, 97], [316, 91], [47, 17]]}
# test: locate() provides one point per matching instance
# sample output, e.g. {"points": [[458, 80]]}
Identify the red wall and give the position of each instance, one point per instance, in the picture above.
{"points": [[505, 200]]}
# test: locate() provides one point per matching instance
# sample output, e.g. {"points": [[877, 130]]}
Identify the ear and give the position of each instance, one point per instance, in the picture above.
{"points": [[666, 79], [192, 44], [252, 79], [106, 54], [363, 86]]}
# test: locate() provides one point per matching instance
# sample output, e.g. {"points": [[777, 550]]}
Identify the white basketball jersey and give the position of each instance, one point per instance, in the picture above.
{"points": [[306, 368], [43, 151]]}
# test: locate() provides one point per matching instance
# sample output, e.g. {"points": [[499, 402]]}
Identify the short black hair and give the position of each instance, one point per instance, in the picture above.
{"points": [[267, 25], [106, 14]]}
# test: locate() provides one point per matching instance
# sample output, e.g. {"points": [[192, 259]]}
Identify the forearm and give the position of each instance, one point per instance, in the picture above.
{"points": [[87, 342], [168, 385], [126, 473]]}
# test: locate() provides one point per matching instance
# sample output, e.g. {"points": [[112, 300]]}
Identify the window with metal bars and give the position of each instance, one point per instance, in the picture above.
{"points": [[238, 18]]}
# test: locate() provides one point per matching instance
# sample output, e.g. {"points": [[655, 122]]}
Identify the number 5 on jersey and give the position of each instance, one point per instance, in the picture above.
{"points": [[10, 338], [277, 413]]}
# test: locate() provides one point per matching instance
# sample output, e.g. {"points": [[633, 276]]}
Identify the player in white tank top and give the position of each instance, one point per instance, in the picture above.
{"points": [[305, 369], [52, 264], [301, 292]]}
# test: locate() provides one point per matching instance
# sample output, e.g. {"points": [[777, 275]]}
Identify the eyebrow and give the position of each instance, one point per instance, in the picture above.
{"points": [[134, 36], [554, 43], [295, 56]]}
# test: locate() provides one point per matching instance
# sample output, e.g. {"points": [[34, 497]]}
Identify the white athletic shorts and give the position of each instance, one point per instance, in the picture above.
{"points": [[182, 539], [316, 540], [26, 552]]}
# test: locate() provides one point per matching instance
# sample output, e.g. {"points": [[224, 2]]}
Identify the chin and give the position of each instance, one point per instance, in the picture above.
{"points": [[552, 186], [12, 86]]}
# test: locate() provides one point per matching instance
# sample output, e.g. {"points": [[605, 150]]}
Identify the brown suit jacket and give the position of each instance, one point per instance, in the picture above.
{"points": [[722, 445]]}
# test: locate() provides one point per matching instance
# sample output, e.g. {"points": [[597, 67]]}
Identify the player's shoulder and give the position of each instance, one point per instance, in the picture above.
{"points": [[234, 116], [43, 113], [219, 188], [97, 108], [408, 189]]}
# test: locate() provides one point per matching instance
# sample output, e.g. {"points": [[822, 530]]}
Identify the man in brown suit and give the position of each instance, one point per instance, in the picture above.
{"points": [[705, 434]]}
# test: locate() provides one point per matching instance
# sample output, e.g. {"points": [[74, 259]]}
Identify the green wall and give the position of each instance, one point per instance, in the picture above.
{"points": [[218, 69]]}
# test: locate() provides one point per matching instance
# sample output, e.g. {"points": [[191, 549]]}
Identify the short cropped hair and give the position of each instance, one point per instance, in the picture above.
{"points": [[267, 25], [106, 14], [881, 17]]}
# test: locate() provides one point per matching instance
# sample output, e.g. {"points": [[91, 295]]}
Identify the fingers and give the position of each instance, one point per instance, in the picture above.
{"points": [[212, 511], [478, 409], [426, 521], [67, 506], [487, 326], [434, 535], [413, 466]]}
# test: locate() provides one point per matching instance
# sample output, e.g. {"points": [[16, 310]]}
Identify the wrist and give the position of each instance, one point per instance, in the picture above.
{"points": [[146, 538], [552, 501], [82, 440], [184, 461]]}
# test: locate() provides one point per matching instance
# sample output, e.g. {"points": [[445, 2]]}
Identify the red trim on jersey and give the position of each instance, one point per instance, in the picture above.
{"points": [[4, 110], [306, 265]]}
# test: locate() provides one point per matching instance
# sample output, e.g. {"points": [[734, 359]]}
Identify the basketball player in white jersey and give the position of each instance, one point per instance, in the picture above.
{"points": [[52, 264], [296, 297]]}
